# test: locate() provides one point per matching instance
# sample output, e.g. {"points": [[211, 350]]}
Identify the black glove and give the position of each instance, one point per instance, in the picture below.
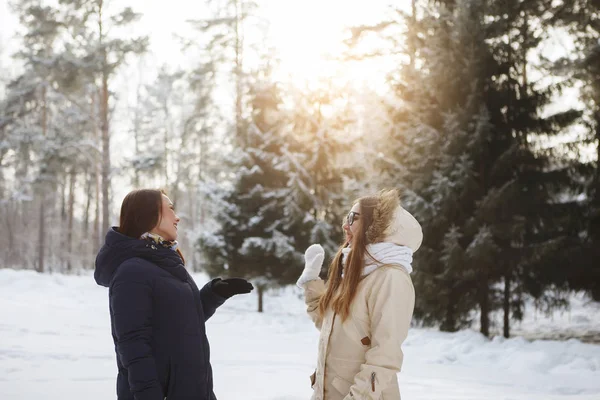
{"points": [[231, 286]]}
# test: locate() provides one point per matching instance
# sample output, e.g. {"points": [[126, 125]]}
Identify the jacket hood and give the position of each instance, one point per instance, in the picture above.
{"points": [[393, 224], [119, 248]]}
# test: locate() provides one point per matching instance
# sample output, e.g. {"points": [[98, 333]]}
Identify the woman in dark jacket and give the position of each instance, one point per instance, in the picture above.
{"points": [[157, 313]]}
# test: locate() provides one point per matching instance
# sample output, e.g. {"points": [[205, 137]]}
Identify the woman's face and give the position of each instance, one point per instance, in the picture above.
{"points": [[167, 225], [352, 223]]}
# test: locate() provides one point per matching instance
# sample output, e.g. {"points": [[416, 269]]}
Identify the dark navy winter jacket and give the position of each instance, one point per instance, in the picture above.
{"points": [[158, 320]]}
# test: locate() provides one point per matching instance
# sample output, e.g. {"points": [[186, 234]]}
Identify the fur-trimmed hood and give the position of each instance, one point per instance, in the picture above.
{"points": [[393, 224]]}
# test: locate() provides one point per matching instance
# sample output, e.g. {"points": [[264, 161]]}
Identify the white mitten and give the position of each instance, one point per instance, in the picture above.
{"points": [[313, 261]]}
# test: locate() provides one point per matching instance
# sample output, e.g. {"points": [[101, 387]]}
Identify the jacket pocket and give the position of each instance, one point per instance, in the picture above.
{"points": [[341, 385]]}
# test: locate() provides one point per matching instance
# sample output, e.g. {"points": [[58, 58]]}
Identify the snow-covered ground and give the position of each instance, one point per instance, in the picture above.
{"points": [[581, 320], [55, 344]]}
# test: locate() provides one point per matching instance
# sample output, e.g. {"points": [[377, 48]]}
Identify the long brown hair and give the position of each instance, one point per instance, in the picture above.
{"points": [[339, 292], [141, 211]]}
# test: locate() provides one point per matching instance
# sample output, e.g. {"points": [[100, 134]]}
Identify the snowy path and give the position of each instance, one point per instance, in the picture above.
{"points": [[55, 344]]}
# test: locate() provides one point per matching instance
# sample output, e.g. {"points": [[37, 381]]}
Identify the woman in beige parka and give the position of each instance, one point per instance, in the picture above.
{"points": [[365, 308]]}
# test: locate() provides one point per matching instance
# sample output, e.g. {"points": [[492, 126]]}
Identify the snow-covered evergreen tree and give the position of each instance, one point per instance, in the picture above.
{"points": [[461, 139], [582, 21], [47, 128], [50, 122], [256, 237], [324, 165]]}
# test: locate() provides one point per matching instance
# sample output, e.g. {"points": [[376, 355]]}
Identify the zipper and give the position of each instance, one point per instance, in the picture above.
{"points": [[202, 325], [373, 381], [325, 355]]}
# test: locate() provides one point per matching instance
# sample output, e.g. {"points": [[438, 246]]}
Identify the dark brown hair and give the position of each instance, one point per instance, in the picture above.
{"points": [[141, 212], [339, 292]]}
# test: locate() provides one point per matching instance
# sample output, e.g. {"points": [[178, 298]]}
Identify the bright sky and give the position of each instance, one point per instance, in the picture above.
{"points": [[305, 33]]}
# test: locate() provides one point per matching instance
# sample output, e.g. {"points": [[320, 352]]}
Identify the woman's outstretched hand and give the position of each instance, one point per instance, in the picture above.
{"points": [[313, 262], [231, 286]]}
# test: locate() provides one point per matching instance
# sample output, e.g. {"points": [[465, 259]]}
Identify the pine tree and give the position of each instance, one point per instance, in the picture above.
{"points": [[540, 221], [201, 159], [255, 238], [157, 130], [287, 192], [226, 30], [49, 120], [581, 18], [99, 57], [441, 126], [41, 117], [462, 137], [322, 168], [217, 127]]}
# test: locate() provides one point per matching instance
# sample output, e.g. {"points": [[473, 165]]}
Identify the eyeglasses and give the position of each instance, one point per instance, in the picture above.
{"points": [[351, 217]]}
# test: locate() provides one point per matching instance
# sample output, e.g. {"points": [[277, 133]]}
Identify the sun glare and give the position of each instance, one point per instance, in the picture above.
{"points": [[308, 36]]}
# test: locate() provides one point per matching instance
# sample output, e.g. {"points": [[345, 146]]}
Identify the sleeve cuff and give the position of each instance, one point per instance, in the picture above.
{"points": [[303, 280], [210, 295]]}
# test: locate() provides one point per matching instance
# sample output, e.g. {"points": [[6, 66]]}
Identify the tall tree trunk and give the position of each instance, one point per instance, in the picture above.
{"points": [[87, 243], [449, 323], [42, 215], [137, 124], [89, 179], [506, 302], [510, 114], [63, 199], [484, 289], [484, 306], [596, 183], [62, 235], [181, 161], [10, 251], [238, 72], [104, 128], [260, 290], [192, 201], [166, 141], [412, 51], [593, 223], [96, 237], [523, 90], [41, 235], [96, 176], [202, 174], [105, 157], [69, 248]]}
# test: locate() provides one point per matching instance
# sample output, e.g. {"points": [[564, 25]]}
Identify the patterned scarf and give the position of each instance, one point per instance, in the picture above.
{"points": [[155, 239]]}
